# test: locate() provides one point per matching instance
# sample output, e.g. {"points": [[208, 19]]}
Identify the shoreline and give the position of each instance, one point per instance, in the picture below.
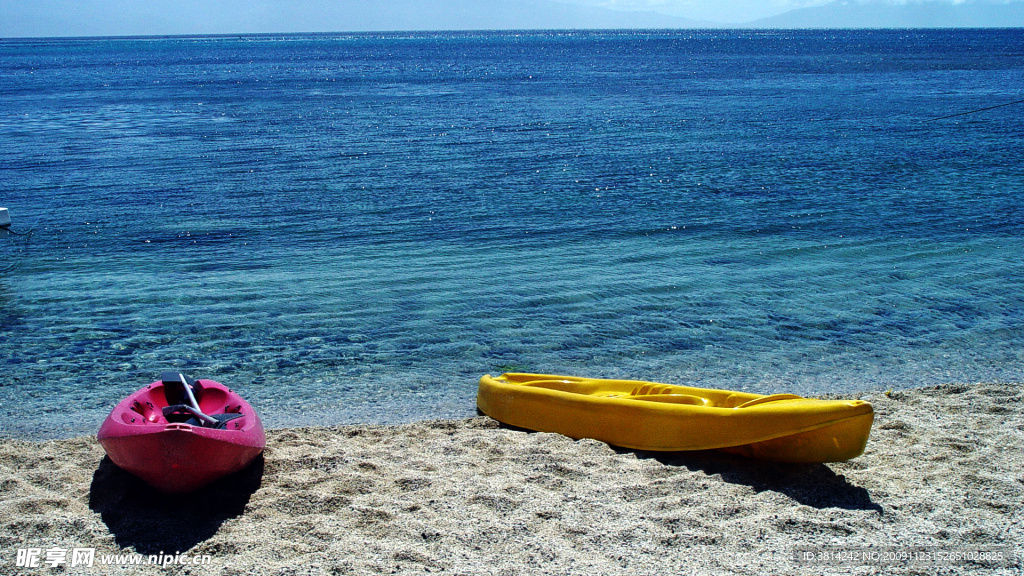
{"points": [[943, 472]]}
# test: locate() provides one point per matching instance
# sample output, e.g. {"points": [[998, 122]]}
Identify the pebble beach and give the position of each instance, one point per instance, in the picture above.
{"points": [[939, 490]]}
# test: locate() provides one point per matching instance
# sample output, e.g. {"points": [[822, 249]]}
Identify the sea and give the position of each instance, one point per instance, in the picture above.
{"points": [[354, 228]]}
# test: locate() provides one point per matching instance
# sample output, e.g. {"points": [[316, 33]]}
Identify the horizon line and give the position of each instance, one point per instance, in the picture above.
{"points": [[722, 28]]}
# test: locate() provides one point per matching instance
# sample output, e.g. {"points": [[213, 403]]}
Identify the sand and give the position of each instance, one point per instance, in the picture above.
{"points": [[942, 477]]}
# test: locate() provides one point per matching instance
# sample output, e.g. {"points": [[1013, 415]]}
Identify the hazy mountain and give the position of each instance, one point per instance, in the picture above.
{"points": [[154, 17], [901, 14]]}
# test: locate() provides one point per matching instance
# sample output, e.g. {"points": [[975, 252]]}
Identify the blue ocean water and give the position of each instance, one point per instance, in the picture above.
{"points": [[356, 227]]}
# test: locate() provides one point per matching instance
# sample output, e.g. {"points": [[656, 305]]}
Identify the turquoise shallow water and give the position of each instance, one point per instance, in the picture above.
{"points": [[354, 228]]}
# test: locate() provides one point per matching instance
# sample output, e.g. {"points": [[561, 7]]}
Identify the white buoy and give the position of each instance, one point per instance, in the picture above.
{"points": [[5, 218]]}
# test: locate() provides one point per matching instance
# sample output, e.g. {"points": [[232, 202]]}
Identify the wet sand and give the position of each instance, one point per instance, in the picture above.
{"points": [[942, 481]]}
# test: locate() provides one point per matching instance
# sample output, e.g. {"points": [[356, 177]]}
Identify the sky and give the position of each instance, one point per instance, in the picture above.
{"points": [[26, 18]]}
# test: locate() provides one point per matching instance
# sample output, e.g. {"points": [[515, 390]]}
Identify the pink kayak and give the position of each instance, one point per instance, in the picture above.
{"points": [[179, 434]]}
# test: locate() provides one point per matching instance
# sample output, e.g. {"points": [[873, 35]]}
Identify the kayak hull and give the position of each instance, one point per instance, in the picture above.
{"points": [[663, 417], [178, 457]]}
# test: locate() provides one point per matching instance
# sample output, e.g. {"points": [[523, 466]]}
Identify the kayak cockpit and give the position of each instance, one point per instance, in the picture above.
{"points": [[170, 402]]}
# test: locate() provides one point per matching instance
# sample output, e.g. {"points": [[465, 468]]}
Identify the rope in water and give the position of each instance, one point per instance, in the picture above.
{"points": [[15, 232], [973, 111]]}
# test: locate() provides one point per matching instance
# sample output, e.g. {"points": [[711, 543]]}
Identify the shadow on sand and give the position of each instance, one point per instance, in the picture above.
{"points": [[814, 485], [151, 522]]}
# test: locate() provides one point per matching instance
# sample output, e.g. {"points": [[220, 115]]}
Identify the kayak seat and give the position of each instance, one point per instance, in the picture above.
{"points": [[177, 413], [223, 419], [184, 414], [174, 388]]}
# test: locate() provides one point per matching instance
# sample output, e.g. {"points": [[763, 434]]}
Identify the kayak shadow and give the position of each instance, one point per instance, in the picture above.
{"points": [[151, 522], [814, 485]]}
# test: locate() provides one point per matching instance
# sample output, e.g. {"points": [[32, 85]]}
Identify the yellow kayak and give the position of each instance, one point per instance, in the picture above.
{"points": [[664, 417]]}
